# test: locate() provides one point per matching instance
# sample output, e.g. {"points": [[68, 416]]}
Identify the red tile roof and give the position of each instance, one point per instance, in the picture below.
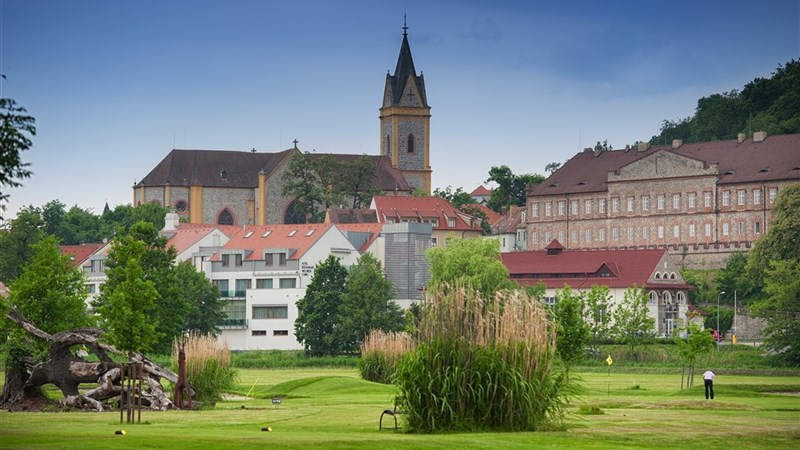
{"points": [[583, 269], [775, 158], [493, 216], [508, 222], [255, 238], [418, 209], [337, 215], [188, 234], [480, 191], [79, 253]]}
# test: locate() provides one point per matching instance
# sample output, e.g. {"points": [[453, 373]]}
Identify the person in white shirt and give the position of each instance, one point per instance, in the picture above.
{"points": [[708, 381]]}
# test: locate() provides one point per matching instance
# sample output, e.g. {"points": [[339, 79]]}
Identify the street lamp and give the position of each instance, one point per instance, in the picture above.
{"points": [[719, 335]]}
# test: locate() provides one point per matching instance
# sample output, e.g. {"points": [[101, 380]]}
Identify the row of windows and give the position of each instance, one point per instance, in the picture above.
{"points": [[274, 332], [241, 285], [661, 203], [659, 232], [666, 298], [451, 221], [270, 259]]}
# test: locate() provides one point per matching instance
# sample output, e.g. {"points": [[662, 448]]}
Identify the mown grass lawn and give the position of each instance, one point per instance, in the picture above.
{"points": [[334, 408]]}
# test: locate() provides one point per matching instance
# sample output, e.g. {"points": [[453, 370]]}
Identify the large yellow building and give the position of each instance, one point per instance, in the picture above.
{"points": [[701, 201]]}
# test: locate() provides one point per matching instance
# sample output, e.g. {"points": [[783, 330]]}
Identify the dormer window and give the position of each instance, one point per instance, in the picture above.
{"points": [[451, 222], [292, 233]]}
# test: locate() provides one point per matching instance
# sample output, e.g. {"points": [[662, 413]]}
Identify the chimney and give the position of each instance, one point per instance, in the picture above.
{"points": [[676, 143], [171, 221], [642, 146], [741, 137], [759, 136]]}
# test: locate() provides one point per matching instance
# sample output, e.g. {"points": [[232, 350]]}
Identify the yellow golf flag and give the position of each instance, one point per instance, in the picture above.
{"points": [[609, 360]]}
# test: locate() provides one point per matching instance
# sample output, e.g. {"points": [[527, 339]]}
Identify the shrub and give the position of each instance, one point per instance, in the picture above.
{"points": [[283, 359], [381, 352], [208, 366], [482, 365]]}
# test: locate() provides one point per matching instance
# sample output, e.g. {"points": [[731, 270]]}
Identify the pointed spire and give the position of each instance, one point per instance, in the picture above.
{"points": [[405, 69]]}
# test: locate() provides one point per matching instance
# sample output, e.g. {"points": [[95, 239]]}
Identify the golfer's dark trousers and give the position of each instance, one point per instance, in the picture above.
{"points": [[709, 388]]}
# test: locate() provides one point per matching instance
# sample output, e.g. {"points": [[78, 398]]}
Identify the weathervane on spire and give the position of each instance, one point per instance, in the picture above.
{"points": [[405, 27]]}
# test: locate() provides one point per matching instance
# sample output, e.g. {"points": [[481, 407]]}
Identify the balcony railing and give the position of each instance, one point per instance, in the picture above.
{"points": [[232, 294], [229, 323]]}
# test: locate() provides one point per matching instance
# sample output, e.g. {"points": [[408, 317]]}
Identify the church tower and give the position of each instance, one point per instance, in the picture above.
{"points": [[405, 121]]}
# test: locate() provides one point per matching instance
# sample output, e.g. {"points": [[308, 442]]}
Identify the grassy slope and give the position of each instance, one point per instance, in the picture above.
{"points": [[333, 408]]}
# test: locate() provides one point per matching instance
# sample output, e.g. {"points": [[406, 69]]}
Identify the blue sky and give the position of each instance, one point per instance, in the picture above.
{"points": [[114, 86]]}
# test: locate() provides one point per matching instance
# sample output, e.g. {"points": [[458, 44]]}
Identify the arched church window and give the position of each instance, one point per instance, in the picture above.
{"points": [[225, 217], [294, 214], [653, 297], [667, 297], [388, 148], [410, 146], [681, 298]]}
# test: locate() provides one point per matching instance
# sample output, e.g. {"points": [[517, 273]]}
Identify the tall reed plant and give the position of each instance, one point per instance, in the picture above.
{"points": [[482, 364], [208, 366], [381, 351]]}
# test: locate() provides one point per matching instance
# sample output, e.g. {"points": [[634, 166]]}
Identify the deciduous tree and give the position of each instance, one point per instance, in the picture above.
{"points": [[356, 181], [511, 189], [17, 240], [781, 309], [782, 240], [16, 130], [50, 292], [571, 330], [126, 312], [474, 262], [598, 313], [694, 344], [185, 300], [632, 324], [316, 322], [367, 304]]}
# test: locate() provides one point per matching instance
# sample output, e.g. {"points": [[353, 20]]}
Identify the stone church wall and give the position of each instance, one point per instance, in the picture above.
{"points": [[276, 201], [215, 200], [154, 194]]}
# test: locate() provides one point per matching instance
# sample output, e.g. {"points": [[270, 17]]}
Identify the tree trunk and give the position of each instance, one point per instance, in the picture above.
{"points": [[67, 371]]}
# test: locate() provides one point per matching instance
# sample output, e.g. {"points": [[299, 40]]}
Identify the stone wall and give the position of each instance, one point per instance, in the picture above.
{"points": [[276, 201], [215, 200]]}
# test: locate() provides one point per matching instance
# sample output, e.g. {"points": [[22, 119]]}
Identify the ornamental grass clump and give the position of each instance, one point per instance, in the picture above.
{"points": [[208, 366], [381, 352], [482, 365]]}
